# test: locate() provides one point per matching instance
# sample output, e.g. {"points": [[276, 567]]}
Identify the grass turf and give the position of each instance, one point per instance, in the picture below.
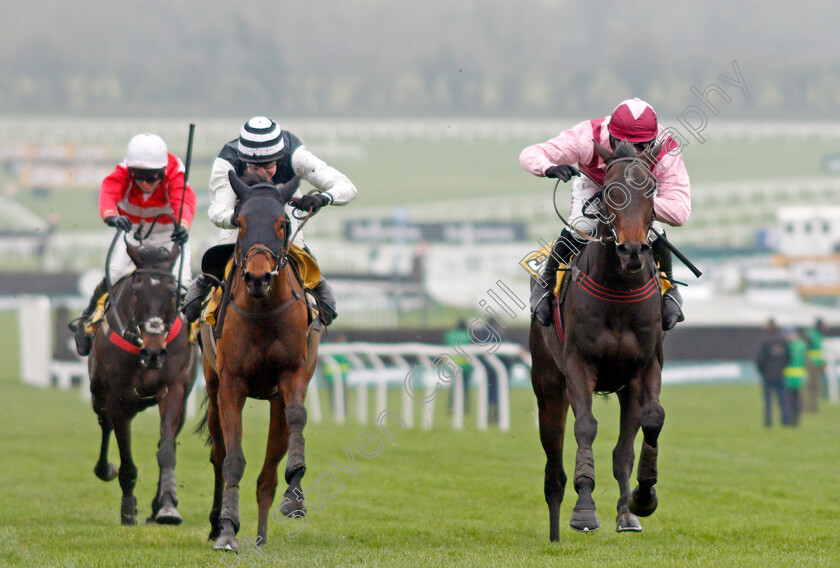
{"points": [[732, 493]]}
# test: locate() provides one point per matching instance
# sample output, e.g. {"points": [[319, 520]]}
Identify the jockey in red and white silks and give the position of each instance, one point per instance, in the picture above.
{"points": [[121, 195]]}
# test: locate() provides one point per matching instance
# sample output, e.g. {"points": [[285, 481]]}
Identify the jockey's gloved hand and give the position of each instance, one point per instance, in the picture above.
{"points": [[313, 202], [563, 171], [180, 235], [122, 222]]}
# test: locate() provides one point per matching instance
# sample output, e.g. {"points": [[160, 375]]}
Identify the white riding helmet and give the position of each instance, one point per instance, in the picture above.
{"points": [[147, 151]]}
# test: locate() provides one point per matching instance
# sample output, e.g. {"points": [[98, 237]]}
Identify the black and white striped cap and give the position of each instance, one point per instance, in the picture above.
{"points": [[260, 140]]}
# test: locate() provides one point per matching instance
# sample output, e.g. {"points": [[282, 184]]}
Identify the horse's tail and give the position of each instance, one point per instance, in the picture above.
{"points": [[201, 427]]}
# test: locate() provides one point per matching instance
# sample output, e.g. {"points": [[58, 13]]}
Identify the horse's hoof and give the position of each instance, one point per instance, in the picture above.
{"points": [[292, 507], [585, 520], [168, 515], [226, 543], [128, 510], [106, 472], [643, 507], [627, 522]]}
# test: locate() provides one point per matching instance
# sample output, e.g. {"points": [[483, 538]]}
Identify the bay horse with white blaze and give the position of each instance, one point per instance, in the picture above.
{"points": [[606, 337], [266, 350], [147, 360]]}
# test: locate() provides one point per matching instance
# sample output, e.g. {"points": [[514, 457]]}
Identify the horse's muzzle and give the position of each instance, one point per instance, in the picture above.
{"points": [[258, 286], [152, 357], [632, 255]]}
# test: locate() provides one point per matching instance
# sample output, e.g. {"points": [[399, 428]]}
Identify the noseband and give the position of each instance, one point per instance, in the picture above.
{"points": [[278, 259]]}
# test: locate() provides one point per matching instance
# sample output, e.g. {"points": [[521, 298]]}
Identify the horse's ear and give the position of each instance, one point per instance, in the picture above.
{"points": [[133, 254], [651, 153], [605, 153], [288, 189], [240, 188]]}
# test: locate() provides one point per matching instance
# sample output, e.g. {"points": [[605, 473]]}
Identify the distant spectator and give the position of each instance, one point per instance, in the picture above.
{"points": [[795, 373], [815, 365], [772, 359], [454, 337]]}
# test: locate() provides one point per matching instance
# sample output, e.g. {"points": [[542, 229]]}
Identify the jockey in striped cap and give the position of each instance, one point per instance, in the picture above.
{"points": [[276, 156]]}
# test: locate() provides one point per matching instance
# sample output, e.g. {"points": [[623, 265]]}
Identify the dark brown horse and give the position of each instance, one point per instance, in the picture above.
{"points": [[142, 356], [264, 352], [610, 321]]}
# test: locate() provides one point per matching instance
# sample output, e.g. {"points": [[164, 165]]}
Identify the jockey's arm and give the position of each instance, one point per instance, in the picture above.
{"points": [[672, 203], [569, 147], [222, 197], [324, 178]]}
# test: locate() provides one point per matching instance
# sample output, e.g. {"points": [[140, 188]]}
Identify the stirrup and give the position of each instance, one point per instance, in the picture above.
{"points": [[672, 313]]}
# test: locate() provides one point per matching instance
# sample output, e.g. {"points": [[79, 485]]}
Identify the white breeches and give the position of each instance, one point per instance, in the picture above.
{"points": [[121, 263]]}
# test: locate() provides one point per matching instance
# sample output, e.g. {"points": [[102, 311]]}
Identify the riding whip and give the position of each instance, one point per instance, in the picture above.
{"points": [[181, 211]]}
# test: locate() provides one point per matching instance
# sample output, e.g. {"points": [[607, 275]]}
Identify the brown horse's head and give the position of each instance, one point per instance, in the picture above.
{"points": [[629, 188], [153, 295], [263, 231]]}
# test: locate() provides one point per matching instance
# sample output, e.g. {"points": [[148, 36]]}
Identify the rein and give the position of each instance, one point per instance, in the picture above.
{"points": [[612, 238]]}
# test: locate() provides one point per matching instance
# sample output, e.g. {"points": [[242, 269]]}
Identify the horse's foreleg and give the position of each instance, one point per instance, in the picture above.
{"points": [[231, 398], [623, 456], [296, 463], [552, 418], [584, 516], [128, 471], [165, 503], [217, 458], [643, 501], [278, 444], [103, 469]]}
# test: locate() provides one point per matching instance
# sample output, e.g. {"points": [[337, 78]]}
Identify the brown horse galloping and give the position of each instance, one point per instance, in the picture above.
{"points": [[610, 324], [265, 352], [142, 356]]}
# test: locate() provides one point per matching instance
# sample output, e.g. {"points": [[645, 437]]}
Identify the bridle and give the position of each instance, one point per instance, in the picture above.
{"points": [[154, 325], [612, 238]]}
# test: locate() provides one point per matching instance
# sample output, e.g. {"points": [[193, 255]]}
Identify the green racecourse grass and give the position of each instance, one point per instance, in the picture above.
{"points": [[732, 493]]}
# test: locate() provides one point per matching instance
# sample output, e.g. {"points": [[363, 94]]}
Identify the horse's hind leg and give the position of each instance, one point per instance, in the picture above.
{"points": [[165, 503], [643, 501], [623, 456], [128, 471], [278, 444], [103, 469]]}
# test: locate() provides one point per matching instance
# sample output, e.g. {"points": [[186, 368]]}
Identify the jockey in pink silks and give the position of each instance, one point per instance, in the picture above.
{"points": [[634, 121]]}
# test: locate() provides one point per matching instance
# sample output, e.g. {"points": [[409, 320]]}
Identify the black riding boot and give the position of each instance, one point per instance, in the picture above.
{"points": [[543, 289], [327, 304], [672, 300], [84, 341], [194, 298]]}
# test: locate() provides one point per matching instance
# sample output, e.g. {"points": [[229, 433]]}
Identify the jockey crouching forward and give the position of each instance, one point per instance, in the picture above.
{"points": [[273, 155], [634, 121], [149, 182]]}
